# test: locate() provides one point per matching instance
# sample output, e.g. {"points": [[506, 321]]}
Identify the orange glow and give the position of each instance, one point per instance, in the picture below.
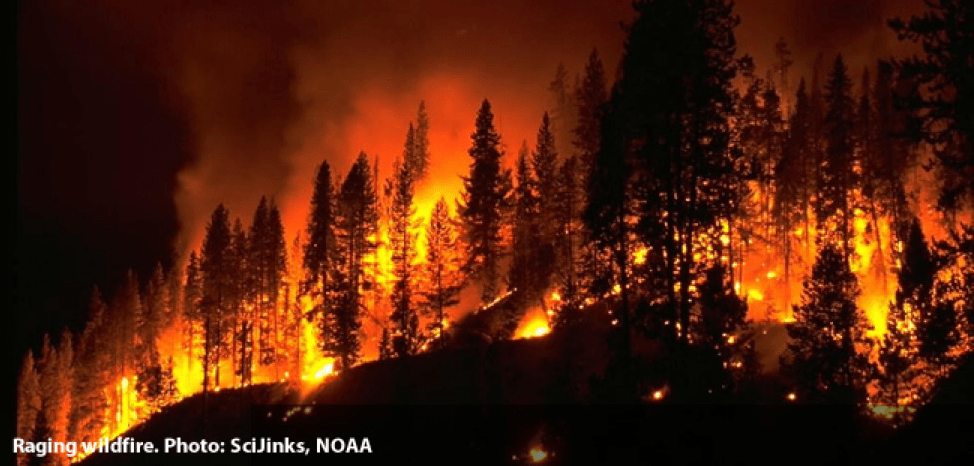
{"points": [[327, 369], [533, 325], [537, 454]]}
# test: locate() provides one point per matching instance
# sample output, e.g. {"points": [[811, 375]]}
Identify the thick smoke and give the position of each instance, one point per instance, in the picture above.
{"points": [[273, 92]]}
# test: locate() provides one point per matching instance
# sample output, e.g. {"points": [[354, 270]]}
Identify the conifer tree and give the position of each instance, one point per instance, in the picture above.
{"points": [[419, 153], [672, 109], [836, 176], [277, 267], [944, 107], [568, 238], [192, 312], [794, 183], [28, 401], [355, 239], [442, 271], [484, 205], [93, 360], [591, 97], [321, 253], [527, 275], [215, 268], [407, 337], [823, 359]]}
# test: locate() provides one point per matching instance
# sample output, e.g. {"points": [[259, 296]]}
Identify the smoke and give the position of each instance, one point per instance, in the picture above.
{"points": [[856, 29], [273, 91]]}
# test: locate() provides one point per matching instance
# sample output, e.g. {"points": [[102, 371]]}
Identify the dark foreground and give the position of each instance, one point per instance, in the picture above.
{"points": [[484, 405]]}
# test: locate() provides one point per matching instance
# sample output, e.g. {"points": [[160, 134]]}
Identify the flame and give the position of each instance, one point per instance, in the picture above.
{"points": [[537, 454], [533, 325], [327, 368]]}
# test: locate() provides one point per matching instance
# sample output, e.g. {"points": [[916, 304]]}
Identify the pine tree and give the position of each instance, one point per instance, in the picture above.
{"points": [[568, 238], [484, 205], [905, 317], [277, 269], [836, 176], [442, 272], [419, 153], [215, 268], [591, 97], [945, 106], [544, 162], [321, 253], [794, 184], [192, 312], [672, 112], [897, 355], [156, 309], [126, 312], [823, 359], [407, 337], [891, 155], [527, 274], [56, 379], [28, 401], [93, 360], [723, 326], [241, 293], [355, 239], [609, 208]]}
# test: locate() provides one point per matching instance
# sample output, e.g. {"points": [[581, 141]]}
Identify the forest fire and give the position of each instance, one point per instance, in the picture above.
{"points": [[683, 204], [534, 325]]}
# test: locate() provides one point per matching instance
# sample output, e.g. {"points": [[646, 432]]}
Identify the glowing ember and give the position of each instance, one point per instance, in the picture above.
{"points": [[639, 257], [792, 396], [658, 395]]}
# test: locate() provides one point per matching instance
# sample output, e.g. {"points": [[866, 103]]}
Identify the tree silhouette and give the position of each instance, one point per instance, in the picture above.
{"points": [[945, 106], [484, 205], [442, 272], [823, 359]]}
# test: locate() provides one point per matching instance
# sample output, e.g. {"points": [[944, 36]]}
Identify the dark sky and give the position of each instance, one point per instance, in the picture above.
{"points": [[135, 119]]}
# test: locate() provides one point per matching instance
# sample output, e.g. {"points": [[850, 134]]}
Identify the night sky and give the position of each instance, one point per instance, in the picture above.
{"points": [[134, 119]]}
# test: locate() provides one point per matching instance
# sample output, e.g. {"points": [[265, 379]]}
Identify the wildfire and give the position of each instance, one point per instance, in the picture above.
{"points": [[533, 325], [327, 368]]}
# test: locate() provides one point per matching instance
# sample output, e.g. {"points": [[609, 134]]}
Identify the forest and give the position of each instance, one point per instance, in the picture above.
{"points": [[690, 199]]}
